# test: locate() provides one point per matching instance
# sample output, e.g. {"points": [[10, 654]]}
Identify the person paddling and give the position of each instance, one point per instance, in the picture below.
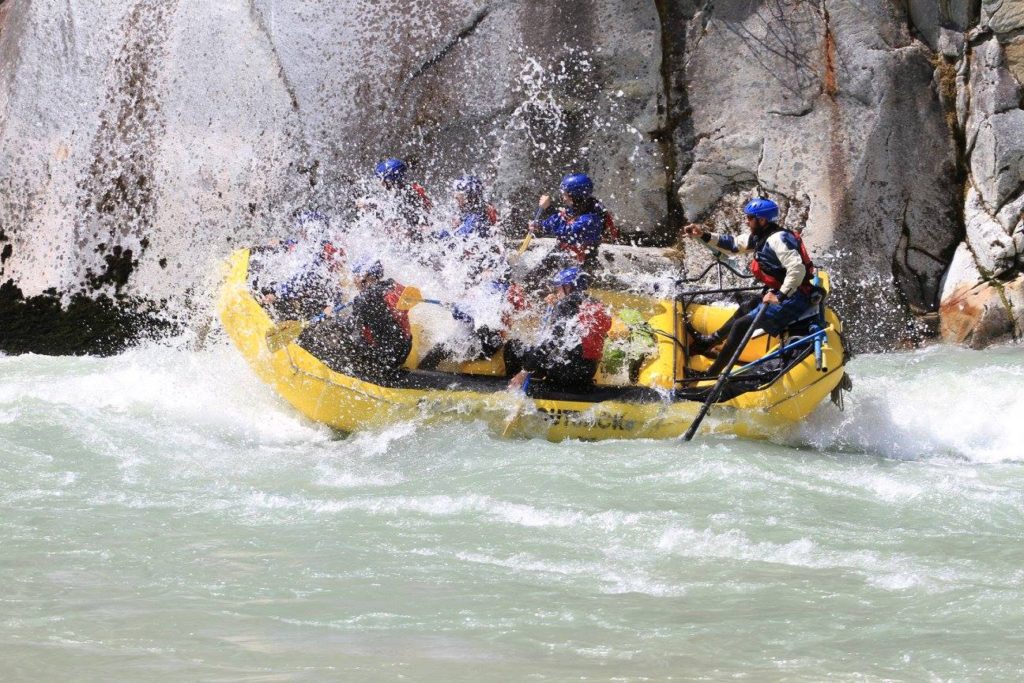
{"points": [[580, 225], [309, 264], [374, 341], [474, 216], [408, 199], [569, 345], [780, 262]]}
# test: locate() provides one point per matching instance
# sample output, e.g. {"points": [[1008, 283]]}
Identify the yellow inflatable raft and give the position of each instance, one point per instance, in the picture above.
{"points": [[659, 405]]}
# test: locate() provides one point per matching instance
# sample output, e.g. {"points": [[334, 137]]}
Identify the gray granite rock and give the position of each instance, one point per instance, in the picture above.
{"points": [[1002, 16], [942, 23], [962, 274], [140, 142], [991, 244], [839, 119]]}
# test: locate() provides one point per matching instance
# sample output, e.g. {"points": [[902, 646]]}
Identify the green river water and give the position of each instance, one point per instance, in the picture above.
{"points": [[164, 517]]}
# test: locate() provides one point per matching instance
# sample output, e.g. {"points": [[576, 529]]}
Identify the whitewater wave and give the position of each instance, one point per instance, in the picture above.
{"points": [[936, 403], [939, 402]]}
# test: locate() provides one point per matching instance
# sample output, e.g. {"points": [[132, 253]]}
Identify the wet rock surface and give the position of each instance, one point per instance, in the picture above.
{"points": [[143, 141], [82, 325]]}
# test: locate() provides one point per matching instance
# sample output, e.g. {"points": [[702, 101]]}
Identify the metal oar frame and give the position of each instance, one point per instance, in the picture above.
{"points": [[687, 297]]}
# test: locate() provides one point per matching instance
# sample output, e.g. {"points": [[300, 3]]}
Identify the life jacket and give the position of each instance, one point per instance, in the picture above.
{"points": [[595, 323], [491, 213], [332, 255], [579, 248], [610, 229], [767, 268], [419, 190], [516, 297], [400, 318], [582, 250]]}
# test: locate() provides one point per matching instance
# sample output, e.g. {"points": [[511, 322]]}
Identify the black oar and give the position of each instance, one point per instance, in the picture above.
{"points": [[717, 389]]}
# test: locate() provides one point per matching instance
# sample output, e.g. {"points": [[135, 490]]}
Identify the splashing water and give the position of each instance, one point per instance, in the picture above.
{"points": [[164, 516]]}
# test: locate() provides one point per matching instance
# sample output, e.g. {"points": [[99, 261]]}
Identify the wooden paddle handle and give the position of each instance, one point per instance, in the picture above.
{"points": [[529, 235]]}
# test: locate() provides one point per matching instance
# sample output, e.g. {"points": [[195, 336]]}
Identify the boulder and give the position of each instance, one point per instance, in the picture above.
{"points": [[963, 273], [995, 127], [1014, 52], [991, 244], [976, 316], [1002, 16], [1013, 293]]}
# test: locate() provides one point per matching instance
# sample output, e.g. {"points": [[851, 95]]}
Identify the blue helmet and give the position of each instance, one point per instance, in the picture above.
{"points": [[577, 185], [469, 184], [762, 208], [308, 219], [572, 277], [391, 170], [368, 266]]}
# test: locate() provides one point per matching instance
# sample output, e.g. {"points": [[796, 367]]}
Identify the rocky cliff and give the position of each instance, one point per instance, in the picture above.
{"points": [[140, 141]]}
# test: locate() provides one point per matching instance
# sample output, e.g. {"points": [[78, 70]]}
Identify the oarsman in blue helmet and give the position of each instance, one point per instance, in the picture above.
{"points": [[568, 347], [780, 262], [410, 199], [581, 223]]}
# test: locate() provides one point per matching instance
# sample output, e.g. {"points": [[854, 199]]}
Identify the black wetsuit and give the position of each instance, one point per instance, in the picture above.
{"points": [[372, 342], [569, 349]]}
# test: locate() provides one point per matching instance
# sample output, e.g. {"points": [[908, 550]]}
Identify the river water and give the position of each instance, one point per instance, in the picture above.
{"points": [[164, 517]]}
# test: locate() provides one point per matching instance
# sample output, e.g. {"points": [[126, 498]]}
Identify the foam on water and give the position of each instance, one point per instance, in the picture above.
{"points": [[169, 487], [936, 403]]}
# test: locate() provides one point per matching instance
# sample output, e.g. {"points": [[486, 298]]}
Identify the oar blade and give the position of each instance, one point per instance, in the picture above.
{"points": [[410, 297], [284, 334], [525, 244]]}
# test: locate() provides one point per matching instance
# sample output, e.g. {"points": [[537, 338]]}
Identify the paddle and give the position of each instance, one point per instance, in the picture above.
{"points": [[288, 331], [412, 296], [519, 408], [526, 383], [717, 389], [529, 234], [285, 333]]}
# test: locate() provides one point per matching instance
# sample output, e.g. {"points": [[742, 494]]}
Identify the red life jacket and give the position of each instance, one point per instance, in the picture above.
{"points": [[423, 195], [332, 255], [610, 229], [595, 323], [401, 317], [578, 251], [492, 214]]}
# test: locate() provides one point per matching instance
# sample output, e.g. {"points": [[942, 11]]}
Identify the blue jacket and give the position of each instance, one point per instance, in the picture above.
{"points": [[584, 229], [473, 224]]}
